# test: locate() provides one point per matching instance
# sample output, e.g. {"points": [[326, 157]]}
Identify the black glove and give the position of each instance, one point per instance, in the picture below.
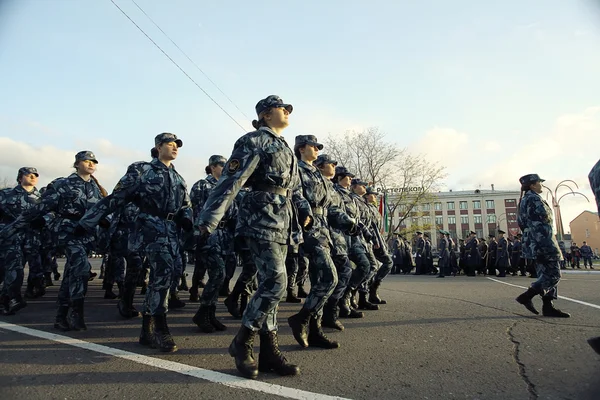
{"points": [[354, 231], [38, 223], [104, 223], [79, 231], [187, 225], [203, 237]]}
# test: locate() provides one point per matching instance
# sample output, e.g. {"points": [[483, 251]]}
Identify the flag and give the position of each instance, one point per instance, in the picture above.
{"points": [[383, 211]]}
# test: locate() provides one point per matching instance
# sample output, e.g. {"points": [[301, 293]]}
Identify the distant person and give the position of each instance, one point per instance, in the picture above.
{"points": [[586, 254], [575, 255], [539, 243]]}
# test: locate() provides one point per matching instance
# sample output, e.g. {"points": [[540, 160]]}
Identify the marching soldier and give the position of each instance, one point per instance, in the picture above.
{"points": [[492, 254], [420, 254], [444, 255], [472, 253], [483, 250], [502, 255], [516, 261]]}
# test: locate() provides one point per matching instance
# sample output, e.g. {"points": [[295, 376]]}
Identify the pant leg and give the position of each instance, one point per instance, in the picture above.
{"points": [[344, 272], [360, 273], [134, 268], [291, 268], [548, 273], [80, 270], [269, 257], [302, 268], [373, 267], [110, 267], [64, 298], [323, 279], [249, 271], [162, 265], [13, 275], [386, 265], [213, 259], [36, 269], [176, 272]]}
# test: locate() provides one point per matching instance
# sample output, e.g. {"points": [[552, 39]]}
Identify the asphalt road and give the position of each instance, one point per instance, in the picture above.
{"points": [[451, 338]]}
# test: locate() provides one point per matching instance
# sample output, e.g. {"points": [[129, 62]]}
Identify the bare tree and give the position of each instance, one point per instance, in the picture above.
{"points": [[407, 180], [6, 183]]}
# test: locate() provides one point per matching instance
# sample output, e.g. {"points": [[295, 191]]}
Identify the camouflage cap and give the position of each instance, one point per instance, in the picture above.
{"points": [[217, 159], [419, 232], [358, 181], [272, 101], [426, 234], [167, 137], [27, 171], [324, 159], [500, 231], [371, 191], [529, 178], [343, 171], [86, 155], [302, 140]]}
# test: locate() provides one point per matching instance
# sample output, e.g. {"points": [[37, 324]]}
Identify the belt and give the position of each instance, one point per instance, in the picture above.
{"points": [[317, 210], [222, 224], [272, 189], [71, 217], [160, 214]]}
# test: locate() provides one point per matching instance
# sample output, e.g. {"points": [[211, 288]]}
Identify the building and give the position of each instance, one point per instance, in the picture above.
{"points": [[459, 212], [586, 227]]}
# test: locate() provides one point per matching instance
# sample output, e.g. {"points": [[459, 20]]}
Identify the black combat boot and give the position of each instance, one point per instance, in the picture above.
{"points": [[108, 293], [183, 286], [299, 323], [48, 279], [346, 311], [525, 299], [364, 304], [374, 295], [162, 336], [143, 288], [56, 275], [5, 301], [213, 319], [15, 304], [242, 349], [194, 296], [224, 291], [595, 343], [29, 290], [202, 319], [76, 321], [61, 323], [147, 333], [352, 298], [174, 301], [292, 298], [270, 357], [125, 305], [316, 336], [121, 288], [548, 309], [301, 292], [231, 302], [330, 316]]}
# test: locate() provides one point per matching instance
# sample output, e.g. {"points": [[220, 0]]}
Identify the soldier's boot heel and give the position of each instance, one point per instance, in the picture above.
{"points": [[270, 357], [292, 298], [241, 348], [231, 302], [194, 296], [330, 319], [298, 323], [213, 319], [48, 279], [109, 294], [29, 290], [352, 299], [224, 291], [147, 333], [125, 305], [61, 323], [76, 320], [175, 302], [526, 297], [364, 304], [548, 309], [345, 310], [162, 336], [202, 319], [316, 336], [374, 294]]}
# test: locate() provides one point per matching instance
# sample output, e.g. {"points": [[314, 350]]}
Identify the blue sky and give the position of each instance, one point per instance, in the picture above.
{"points": [[492, 90]]}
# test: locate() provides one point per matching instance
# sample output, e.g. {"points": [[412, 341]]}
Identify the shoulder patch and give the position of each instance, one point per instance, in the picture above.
{"points": [[234, 165]]}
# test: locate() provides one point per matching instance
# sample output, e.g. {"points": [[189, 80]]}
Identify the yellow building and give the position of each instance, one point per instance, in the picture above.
{"points": [[586, 227]]}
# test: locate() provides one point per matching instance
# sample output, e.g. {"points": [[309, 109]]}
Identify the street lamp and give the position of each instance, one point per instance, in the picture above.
{"points": [[556, 203]]}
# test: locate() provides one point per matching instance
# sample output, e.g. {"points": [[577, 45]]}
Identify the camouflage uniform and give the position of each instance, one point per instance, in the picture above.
{"points": [[420, 255], [539, 243], [382, 254], [22, 247], [473, 256], [268, 217], [502, 257], [444, 255], [161, 195]]}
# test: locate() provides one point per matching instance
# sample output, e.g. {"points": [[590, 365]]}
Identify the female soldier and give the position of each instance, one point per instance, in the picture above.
{"points": [[539, 244], [268, 221]]}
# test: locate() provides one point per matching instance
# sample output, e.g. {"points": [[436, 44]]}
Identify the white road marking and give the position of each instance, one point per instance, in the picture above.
{"points": [[560, 297], [201, 373]]}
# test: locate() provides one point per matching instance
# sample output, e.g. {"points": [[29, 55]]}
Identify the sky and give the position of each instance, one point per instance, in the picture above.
{"points": [[490, 90]]}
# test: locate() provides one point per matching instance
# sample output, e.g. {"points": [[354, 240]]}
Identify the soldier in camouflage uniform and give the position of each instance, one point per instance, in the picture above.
{"points": [[491, 255], [502, 255], [472, 254], [379, 249], [317, 245], [21, 247], [539, 243], [594, 178], [357, 244], [270, 218], [216, 250], [443, 254], [161, 195], [420, 254], [515, 257]]}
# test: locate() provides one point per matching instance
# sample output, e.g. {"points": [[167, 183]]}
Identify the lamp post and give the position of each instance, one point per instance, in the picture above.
{"points": [[556, 202]]}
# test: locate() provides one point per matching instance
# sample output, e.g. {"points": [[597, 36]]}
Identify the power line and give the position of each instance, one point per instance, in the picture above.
{"points": [[189, 59], [177, 65]]}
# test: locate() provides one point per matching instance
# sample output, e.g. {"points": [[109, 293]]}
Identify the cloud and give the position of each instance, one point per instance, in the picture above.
{"points": [[442, 145]]}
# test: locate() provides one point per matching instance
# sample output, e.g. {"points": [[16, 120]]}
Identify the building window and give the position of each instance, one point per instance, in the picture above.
{"points": [[466, 233], [427, 220], [464, 220], [439, 220], [479, 233], [438, 206], [511, 217], [463, 205], [587, 233], [450, 205], [491, 218], [510, 203], [451, 220], [427, 207], [415, 221], [477, 219], [476, 205], [489, 204]]}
